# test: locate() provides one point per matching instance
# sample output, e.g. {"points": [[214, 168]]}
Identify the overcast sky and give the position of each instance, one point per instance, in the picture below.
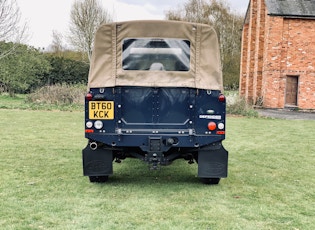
{"points": [[44, 16]]}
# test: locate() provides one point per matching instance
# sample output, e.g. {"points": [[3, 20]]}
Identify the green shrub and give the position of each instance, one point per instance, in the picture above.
{"points": [[66, 70], [22, 69]]}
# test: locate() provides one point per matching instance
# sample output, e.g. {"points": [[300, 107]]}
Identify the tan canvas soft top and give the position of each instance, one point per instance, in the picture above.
{"points": [[106, 63]]}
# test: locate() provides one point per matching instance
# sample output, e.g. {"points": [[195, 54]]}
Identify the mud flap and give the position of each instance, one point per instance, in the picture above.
{"points": [[97, 162], [213, 161]]}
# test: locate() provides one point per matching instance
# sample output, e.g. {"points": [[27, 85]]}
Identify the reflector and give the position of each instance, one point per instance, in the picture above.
{"points": [[220, 132]]}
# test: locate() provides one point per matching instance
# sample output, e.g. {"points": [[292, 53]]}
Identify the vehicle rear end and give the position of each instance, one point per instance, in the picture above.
{"points": [[150, 107]]}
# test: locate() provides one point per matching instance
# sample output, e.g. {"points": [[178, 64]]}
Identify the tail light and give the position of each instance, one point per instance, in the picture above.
{"points": [[89, 96], [221, 98], [212, 126]]}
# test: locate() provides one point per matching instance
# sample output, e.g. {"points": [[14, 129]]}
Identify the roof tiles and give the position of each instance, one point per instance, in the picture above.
{"points": [[291, 8]]}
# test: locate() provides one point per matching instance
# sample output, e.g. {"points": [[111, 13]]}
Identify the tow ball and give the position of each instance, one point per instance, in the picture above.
{"points": [[154, 160]]}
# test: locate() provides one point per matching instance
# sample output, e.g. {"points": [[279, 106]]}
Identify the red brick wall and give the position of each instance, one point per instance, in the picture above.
{"points": [[273, 84], [248, 59], [244, 57], [272, 49]]}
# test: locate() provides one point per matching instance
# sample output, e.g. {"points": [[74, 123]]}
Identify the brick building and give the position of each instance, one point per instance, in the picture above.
{"points": [[278, 54]]}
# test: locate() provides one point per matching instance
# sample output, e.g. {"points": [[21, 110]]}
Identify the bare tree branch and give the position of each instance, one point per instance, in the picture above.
{"points": [[86, 16], [10, 18], [57, 43], [10, 29]]}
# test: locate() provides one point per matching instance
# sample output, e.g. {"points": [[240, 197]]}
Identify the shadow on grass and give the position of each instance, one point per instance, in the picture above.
{"points": [[138, 173]]}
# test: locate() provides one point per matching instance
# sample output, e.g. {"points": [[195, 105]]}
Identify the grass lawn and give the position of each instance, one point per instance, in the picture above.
{"points": [[270, 184]]}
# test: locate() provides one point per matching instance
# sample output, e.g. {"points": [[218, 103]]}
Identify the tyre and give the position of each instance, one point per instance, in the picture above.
{"points": [[210, 180], [98, 179]]}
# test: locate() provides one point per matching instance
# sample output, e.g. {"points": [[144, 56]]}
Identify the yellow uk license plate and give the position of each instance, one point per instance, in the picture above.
{"points": [[103, 110]]}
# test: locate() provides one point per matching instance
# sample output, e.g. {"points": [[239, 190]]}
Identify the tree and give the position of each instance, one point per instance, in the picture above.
{"points": [[228, 27], [86, 16], [9, 24]]}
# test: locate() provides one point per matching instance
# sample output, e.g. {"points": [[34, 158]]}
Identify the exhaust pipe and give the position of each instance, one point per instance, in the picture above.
{"points": [[93, 145]]}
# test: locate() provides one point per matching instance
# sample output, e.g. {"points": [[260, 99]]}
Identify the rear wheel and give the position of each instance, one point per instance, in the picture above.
{"points": [[98, 179], [210, 180]]}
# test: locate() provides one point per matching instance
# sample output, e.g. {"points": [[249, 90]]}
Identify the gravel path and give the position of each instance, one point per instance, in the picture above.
{"points": [[286, 114]]}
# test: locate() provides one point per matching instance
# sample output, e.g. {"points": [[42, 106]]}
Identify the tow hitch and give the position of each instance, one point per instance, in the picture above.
{"points": [[155, 160], [155, 157]]}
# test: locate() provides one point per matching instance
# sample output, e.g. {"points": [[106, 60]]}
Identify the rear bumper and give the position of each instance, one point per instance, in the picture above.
{"points": [[143, 140]]}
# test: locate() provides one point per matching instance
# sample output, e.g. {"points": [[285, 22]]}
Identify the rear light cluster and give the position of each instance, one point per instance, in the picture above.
{"points": [[212, 126], [98, 124], [217, 127], [89, 126]]}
